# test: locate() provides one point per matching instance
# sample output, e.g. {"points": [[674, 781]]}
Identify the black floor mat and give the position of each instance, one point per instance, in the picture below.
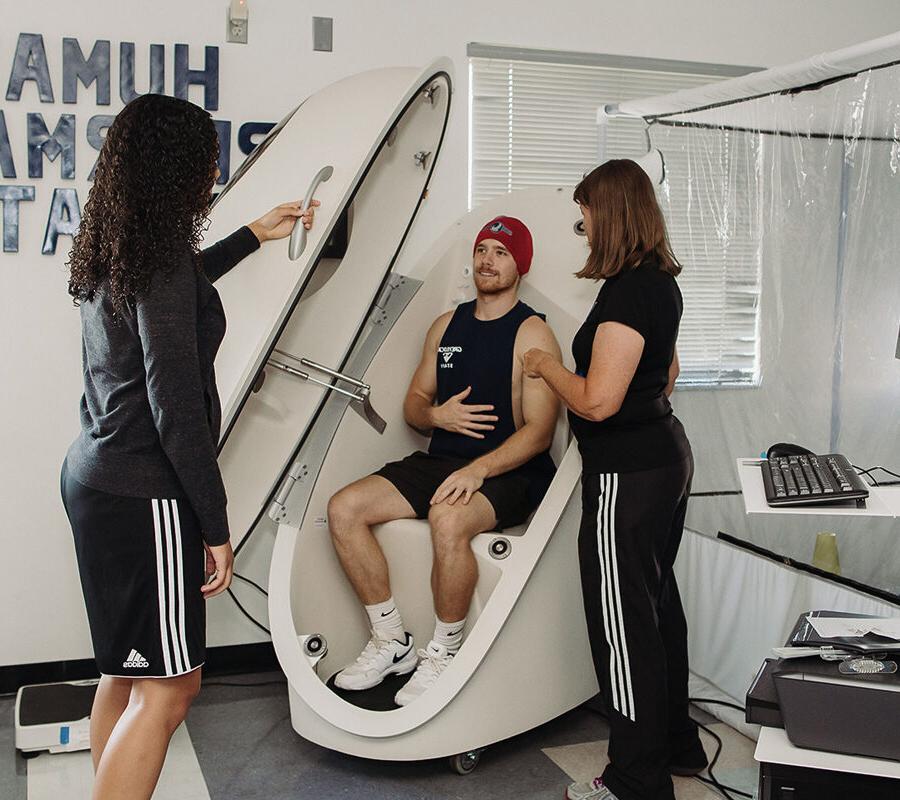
{"points": [[378, 698]]}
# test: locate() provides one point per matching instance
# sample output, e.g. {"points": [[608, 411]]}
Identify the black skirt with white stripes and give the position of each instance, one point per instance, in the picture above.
{"points": [[142, 564]]}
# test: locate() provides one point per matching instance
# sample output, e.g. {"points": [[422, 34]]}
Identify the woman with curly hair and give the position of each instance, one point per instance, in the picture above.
{"points": [[141, 484]]}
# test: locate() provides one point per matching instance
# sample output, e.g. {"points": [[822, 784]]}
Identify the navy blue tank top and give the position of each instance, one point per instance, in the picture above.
{"points": [[479, 353]]}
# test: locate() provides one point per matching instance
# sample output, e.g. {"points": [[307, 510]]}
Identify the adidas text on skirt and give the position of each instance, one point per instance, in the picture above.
{"points": [[142, 564]]}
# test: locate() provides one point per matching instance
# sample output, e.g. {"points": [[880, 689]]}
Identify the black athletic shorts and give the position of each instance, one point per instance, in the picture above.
{"points": [[418, 476], [142, 564]]}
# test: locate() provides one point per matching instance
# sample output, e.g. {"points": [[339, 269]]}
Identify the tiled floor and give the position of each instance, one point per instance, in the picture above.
{"points": [[246, 749]]}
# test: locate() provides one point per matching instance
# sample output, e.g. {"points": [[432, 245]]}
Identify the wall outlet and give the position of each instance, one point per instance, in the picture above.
{"points": [[236, 29]]}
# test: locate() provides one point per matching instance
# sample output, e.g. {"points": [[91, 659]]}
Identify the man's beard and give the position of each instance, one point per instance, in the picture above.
{"points": [[493, 285]]}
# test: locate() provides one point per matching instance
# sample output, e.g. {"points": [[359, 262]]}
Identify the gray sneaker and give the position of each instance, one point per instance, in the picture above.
{"points": [[594, 790]]}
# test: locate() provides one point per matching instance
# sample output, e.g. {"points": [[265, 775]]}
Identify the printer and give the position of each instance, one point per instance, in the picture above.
{"points": [[847, 702]]}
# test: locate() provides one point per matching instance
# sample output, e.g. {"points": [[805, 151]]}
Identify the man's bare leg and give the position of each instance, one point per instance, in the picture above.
{"points": [[351, 514], [455, 570], [454, 574]]}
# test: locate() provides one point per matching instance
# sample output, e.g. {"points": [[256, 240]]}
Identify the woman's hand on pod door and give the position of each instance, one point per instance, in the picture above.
{"points": [[219, 569], [279, 222]]}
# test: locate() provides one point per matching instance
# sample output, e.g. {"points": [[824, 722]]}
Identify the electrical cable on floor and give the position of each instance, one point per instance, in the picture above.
{"points": [[735, 706], [247, 614], [722, 788]]}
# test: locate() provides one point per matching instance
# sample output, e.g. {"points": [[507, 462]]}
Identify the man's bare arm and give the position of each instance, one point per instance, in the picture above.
{"points": [[418, 406]]}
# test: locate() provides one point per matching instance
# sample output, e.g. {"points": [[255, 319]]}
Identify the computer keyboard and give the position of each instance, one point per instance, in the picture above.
{"points": [[802, 480]]}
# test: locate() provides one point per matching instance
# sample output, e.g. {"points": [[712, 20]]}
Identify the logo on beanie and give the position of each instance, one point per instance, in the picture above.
{"points": [[499, 227]]}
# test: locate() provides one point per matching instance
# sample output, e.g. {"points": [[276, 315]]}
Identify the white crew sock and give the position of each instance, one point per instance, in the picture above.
{"points": [[449, 634], [386, 620]]}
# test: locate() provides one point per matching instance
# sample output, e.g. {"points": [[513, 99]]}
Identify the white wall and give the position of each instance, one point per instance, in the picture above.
{"points": [[42, 616]]}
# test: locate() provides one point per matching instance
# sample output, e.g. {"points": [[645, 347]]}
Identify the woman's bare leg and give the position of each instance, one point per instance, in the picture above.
{"points": [[136, 750], [110, 702]]}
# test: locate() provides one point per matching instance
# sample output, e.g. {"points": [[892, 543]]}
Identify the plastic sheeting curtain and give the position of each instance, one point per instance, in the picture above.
{"points": [[798, 200]]}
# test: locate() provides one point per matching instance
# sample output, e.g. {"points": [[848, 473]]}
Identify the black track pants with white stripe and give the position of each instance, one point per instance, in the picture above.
{"points": [[631, 528]]}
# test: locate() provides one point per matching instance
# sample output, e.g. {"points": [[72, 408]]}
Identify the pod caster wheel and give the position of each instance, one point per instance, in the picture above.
{"points": [[29, 754], [464, 763]]}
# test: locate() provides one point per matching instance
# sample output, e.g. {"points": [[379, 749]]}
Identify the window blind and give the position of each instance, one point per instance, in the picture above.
{"points": [[534, 123]]}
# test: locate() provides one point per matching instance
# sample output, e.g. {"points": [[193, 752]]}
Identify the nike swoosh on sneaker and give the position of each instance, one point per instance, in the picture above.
{"points": [[399, 658]]}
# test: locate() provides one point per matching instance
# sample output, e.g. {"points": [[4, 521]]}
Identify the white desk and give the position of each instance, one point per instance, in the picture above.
{"points": [[774, 747], [883, 501], [891, 496]]}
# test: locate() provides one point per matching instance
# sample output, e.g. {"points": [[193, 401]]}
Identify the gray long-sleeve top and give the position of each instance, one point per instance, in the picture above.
{"points": [[150, 413]]}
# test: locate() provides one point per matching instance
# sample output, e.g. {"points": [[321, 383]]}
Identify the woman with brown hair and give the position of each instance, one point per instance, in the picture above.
{"points": [[636, 476]]}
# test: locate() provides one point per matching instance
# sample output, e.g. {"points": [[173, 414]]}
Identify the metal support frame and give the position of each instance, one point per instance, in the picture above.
{"points": [[292, 497]]}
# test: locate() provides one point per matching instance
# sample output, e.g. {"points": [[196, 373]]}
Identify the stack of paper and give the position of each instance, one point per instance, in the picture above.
{"points": [[835, 627]]}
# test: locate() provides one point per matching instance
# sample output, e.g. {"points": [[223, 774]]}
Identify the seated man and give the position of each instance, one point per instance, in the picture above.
{"points": [[487, 467]]}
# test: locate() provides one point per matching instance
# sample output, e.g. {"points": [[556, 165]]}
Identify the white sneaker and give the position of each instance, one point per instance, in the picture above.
{"points": [[434, 659], [594, 790], [380, 658]]}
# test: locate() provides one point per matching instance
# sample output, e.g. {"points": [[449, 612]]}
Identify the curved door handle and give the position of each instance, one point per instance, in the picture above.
{"points": [[298, 236]]}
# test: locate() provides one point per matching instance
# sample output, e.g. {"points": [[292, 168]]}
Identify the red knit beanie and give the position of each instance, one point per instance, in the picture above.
{"points": [[514, 235]]}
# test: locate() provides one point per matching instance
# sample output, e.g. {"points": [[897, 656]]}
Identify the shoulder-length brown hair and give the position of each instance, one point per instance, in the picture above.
{"points": [[627, 225]]}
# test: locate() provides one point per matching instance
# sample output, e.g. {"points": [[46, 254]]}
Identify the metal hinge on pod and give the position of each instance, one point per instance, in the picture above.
{"points": [[296, 474], [379, 313], [360, 400]]}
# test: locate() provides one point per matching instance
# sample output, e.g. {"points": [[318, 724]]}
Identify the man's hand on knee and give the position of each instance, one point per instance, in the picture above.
{"points": [[461, 484]]}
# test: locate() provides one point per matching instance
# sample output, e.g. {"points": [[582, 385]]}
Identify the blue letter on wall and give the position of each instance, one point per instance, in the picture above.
{"points": [[10, 196], [41, 143], [250, 129], [208, 77], [223, 131], [76, 68], [64, 218], [7, 165], [126, 71], [30, 64]]}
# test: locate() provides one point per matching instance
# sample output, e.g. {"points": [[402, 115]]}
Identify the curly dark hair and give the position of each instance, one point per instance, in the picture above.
{"points": [[149, 201]]}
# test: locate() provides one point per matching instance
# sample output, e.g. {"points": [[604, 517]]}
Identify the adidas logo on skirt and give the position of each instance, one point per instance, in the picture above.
{"points": [[135, 661]]}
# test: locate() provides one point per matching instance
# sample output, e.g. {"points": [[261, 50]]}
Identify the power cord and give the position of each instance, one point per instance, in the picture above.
{"points": [[252, 583], [237, 602], [868, 472], [722, 788], [247, 614], [711, 702]]}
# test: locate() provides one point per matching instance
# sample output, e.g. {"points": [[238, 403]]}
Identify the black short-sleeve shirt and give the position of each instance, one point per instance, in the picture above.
{"points": [[644, 433]]}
